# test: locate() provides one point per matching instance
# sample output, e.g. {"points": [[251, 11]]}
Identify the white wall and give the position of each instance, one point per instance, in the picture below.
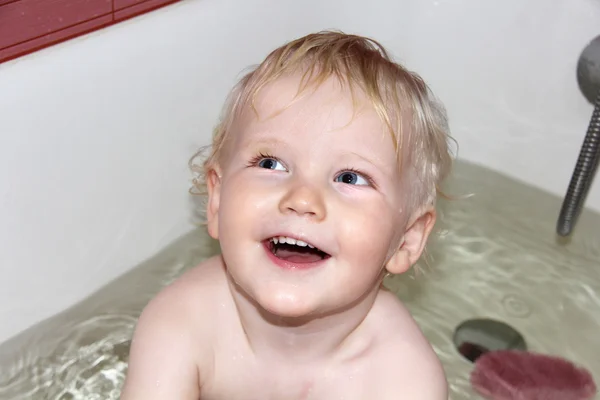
{"points": [[95, 133]]}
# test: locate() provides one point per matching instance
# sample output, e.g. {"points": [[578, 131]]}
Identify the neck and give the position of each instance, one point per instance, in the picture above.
{"points": [[303, 339]]}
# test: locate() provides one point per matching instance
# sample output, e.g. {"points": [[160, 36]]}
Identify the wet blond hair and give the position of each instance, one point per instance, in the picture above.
{"points": [[404, 102]]}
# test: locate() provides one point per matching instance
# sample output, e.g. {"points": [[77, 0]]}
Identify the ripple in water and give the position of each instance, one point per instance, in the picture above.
{"points": [[89, 363]]}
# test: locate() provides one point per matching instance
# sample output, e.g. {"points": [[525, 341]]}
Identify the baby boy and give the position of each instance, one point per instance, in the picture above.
{"points": [[321, 179]]}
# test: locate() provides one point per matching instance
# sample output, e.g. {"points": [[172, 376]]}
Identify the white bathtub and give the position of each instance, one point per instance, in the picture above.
{"points": [[95, 133]]}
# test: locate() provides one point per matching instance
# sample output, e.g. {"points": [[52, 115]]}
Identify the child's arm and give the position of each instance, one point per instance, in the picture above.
{"points": [[161, 360]]}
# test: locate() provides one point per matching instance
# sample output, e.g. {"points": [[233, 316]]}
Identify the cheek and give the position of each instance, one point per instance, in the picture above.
{"points": [[244, 200], [369, 231]]}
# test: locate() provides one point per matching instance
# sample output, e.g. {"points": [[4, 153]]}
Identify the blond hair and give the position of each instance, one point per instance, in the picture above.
{"points": [[395, 93]]}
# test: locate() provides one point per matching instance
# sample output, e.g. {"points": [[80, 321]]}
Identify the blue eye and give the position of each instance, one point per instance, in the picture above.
{"points": [[271, 163], [352, 178]]}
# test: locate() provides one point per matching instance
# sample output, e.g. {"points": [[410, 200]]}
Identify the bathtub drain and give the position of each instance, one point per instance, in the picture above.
{"points": [[475, 337]]}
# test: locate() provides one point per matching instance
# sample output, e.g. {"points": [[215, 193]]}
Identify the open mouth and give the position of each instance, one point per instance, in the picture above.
{"points": [[295, 251]]}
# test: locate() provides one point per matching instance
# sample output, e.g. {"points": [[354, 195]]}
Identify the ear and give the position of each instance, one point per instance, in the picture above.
{"points": [[413, 242], [213, 184]]}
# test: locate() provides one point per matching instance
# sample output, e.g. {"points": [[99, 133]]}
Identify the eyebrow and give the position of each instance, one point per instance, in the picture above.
{"points": [[266, 142], [370, 161]]}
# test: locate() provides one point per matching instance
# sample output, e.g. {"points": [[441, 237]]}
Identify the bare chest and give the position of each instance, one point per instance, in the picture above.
{"points": [[255, 381]]}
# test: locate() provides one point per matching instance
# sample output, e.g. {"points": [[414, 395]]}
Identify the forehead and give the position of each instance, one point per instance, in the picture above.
{"points": [[291, 92], [288, 106]]}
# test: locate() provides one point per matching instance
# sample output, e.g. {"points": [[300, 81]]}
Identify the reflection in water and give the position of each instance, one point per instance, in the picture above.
{"points": [[494, 256]]}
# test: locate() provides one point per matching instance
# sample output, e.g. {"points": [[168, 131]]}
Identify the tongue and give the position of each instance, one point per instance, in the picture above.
{"points": [[296, 256]]}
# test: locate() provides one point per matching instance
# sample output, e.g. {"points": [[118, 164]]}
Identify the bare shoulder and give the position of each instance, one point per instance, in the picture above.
{"points": [[184, 306], [190, 299], [167, 350], [410, 367]]}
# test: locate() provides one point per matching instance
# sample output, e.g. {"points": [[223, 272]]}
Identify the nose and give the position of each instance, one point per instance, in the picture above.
{"points": [[305, 201]]}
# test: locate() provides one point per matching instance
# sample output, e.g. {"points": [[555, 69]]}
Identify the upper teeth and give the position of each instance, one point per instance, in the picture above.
{"points": [[289, 240]]}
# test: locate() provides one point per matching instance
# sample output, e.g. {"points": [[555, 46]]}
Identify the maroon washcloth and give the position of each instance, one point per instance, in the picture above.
{"points": [[521, 375]]}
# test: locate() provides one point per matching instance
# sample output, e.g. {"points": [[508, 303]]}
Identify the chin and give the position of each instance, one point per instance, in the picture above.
{"points": [[287, 302]]}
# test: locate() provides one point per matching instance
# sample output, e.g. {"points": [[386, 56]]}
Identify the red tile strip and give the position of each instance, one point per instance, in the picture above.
{"points": [[30, 25], [121, 4], [41, 42], [28, 19]]}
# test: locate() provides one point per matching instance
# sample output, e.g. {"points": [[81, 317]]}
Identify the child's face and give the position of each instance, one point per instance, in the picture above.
{"points": [[296, 174]]}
